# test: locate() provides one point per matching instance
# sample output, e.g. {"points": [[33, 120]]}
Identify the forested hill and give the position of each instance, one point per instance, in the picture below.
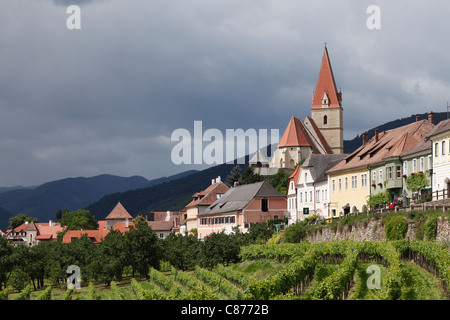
{"points": [[173, 195], [355, 143]]}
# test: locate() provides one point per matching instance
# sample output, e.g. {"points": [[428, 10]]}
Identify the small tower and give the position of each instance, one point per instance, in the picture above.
{"points": [[326, 109]]}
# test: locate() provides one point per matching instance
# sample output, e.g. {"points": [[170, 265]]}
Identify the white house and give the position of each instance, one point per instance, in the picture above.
{"points": [[440, 141], [313, 192], [291, 197]]}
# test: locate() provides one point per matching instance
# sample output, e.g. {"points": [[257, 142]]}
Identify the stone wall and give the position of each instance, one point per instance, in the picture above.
{"points": [[371, 231]]}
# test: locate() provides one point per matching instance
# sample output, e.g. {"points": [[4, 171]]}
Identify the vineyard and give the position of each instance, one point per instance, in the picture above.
{"points": [[409, 270]]}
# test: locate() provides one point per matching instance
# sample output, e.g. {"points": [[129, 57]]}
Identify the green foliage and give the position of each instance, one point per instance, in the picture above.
{"points": [[250, 176], [219, 282], [234, 176], [79, 220], [396, 227], [259, 232], [25, 293], [181, 251], [68, 294], [379, 200], [20, 219], [92, 295], [46, 294], [4, 294], [295, 233], [430, 227], [280, 181], [417, 181]]}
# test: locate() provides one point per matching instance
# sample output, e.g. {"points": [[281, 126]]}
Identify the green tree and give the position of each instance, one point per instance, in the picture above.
{"points": [[376, 200], [110, 259], [234, 176], [259, 232], [250, 176], [142, 249], [6, 265], [181, 251], [280, 181], [79, 220], [20, 219], [417, 182], [220, 248], [295, 233]]}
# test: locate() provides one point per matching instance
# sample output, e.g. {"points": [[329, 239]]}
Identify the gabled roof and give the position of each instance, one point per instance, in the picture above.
{"points": [[326, 84], [96, 235], [296, 135], [258, 157], [319, 164], [119, 212], [238, 198], [442, 126], [209, 195], [391, 143]]}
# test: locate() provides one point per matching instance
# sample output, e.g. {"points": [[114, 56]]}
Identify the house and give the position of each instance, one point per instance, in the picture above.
{"points": [[96, 236], [373, 167], [440, 143], [163, 223], [117, 219], [322, 133], [202, 200], [417, 160], [240, 207], [31, 233], [313, 186], [291, 196], [118, 214]]}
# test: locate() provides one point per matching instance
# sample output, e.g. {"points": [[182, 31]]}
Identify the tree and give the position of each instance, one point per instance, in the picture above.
{"points": [[110, 260], [259, 232], [6, 265], [280, 181], [142, 249], [220, 248], [20, 219], [417, 181], [234, 176], [380, 199], [181, 251], [79, 220], [250, 176]]}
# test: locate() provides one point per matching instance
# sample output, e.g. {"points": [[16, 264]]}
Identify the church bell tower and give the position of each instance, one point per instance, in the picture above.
{"points": [[326, 109]]}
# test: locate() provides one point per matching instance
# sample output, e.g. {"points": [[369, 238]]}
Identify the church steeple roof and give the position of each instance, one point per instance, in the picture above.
{"points": [[326, 85]]}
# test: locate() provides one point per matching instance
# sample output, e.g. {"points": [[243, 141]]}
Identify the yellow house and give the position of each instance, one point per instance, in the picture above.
{"points": [[350, 180], [349, 190]]}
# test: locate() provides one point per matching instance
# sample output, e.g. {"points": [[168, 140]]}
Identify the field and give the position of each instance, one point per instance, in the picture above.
{"points": [[415, 270]]}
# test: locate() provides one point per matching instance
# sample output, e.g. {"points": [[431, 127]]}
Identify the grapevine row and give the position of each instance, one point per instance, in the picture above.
{"points": [[223, 284]]}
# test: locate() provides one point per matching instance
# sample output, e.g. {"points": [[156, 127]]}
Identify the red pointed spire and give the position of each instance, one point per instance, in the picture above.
{"points": [[326, 85]]}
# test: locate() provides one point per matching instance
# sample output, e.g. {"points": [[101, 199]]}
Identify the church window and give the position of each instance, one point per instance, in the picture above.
{"points": [[325, 120]]}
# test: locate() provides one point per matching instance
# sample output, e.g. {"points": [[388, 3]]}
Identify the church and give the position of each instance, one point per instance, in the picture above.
{"points": [[322, 132]]}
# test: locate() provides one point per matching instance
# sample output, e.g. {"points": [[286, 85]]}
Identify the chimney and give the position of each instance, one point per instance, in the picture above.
{"points": [[365, 138], [431, 117], [213, 181], [167, 216], [127, 224], [50, 223], [376, 135], [218, 179], [417, 118], [236, 183]]}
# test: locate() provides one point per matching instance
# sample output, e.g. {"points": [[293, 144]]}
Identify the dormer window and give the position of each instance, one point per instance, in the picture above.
{"points": [[325, 100]]}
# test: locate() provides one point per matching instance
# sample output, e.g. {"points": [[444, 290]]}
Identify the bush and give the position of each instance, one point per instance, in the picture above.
{"points": [[396, 228], [295, 233], [430, 228]]}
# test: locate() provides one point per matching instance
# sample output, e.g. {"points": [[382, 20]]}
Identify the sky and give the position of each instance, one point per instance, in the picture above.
{"points": [[107, 97]]}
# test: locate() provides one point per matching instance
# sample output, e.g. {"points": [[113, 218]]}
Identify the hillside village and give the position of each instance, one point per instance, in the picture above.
{"points": [[407, 164]]}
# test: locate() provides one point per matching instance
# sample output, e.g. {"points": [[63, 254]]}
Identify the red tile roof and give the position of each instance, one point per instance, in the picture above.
{"points": [[96, 235], [326, 84], [207, 196], [296, 135], [121, 226], [391, 143], [119, 212]]}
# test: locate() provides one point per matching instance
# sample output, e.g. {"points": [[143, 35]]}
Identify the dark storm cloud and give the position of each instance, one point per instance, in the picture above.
{"points": [[106, 98]]}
